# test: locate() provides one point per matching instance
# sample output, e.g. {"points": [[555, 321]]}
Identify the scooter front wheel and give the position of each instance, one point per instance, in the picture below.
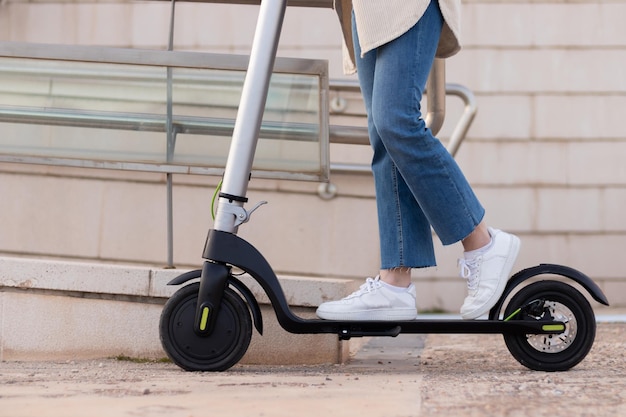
{"points": [[551, 301], [220, 350]]}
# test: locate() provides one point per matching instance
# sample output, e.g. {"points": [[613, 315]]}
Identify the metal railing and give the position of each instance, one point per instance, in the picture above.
{"points": [[359, 136], [434, 116], [437, 89]]}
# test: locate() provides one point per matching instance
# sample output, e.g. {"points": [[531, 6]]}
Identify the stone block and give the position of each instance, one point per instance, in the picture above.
{"points": [[56, 310]]}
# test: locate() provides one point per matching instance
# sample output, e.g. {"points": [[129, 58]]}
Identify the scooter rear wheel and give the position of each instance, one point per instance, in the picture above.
{"points": [[220, 350], [551, 300]]}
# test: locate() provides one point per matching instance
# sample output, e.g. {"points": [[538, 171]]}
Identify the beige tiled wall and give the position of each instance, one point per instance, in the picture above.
{"points": [[545, 152]]}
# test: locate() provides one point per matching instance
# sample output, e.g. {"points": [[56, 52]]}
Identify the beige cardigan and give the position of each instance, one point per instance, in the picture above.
{"points": [[381, 21]]}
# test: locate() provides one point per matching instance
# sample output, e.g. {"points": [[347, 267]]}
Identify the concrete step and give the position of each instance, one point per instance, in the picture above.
{"points": [[60, 310]]}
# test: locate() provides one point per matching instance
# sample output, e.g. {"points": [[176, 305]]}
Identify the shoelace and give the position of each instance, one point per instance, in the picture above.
{"points": [[469, 269], [370, 285]]}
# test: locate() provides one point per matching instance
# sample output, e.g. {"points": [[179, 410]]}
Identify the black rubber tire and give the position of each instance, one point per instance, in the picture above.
{"points": [[560, 352], [219, 351]]}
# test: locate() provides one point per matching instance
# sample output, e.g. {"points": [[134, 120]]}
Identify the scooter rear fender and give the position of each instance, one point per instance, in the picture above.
{"points": [[542, 269]]}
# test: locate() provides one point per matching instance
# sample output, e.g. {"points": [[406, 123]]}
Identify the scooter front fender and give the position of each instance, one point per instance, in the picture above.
{"points": [[186, 277], [238, 285], [541, 269]]}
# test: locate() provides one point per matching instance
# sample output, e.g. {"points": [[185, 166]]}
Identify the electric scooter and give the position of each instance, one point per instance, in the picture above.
{"points": [[207, 325]]}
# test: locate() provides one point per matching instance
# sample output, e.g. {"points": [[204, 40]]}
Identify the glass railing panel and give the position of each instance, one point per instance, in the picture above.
{"points": [[290, 132], [119, 112]]}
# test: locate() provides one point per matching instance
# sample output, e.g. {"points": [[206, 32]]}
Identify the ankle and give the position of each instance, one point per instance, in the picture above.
{"points": [[478, 239], [397, 277]]}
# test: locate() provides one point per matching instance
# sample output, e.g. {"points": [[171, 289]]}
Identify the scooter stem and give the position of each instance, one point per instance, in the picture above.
{"points": [[250, 113]]}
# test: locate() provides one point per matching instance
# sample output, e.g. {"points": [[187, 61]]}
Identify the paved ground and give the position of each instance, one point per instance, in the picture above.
{"points": [[435, 375]]}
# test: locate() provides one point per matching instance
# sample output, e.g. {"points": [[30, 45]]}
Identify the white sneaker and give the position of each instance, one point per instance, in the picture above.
{"points": [[488, 273], [374, 300]]}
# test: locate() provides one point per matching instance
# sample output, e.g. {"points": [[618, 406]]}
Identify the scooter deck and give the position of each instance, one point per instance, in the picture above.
{"points": [[349, 329]]}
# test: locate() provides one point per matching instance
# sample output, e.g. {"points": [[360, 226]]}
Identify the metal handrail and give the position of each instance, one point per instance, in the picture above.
{"points": [[359, 135], [435, 102], [467, 118], [151, 123], [354, 135]]}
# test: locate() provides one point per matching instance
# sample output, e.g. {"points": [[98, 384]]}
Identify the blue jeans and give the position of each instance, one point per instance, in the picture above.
{"points": [[418, 183]]}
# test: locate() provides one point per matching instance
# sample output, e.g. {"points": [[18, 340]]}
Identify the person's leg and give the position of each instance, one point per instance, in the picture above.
{"points": [[404, 231], [390, 296], [435, 180], [418, 184], [479, 238], [430, 173]]}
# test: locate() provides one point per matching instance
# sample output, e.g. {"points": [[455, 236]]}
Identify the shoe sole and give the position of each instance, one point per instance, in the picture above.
{"points": [[370, 315], [508, 267]]}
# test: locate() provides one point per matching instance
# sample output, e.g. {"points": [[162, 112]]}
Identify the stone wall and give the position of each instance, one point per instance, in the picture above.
{"points": [[544, 153]]}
